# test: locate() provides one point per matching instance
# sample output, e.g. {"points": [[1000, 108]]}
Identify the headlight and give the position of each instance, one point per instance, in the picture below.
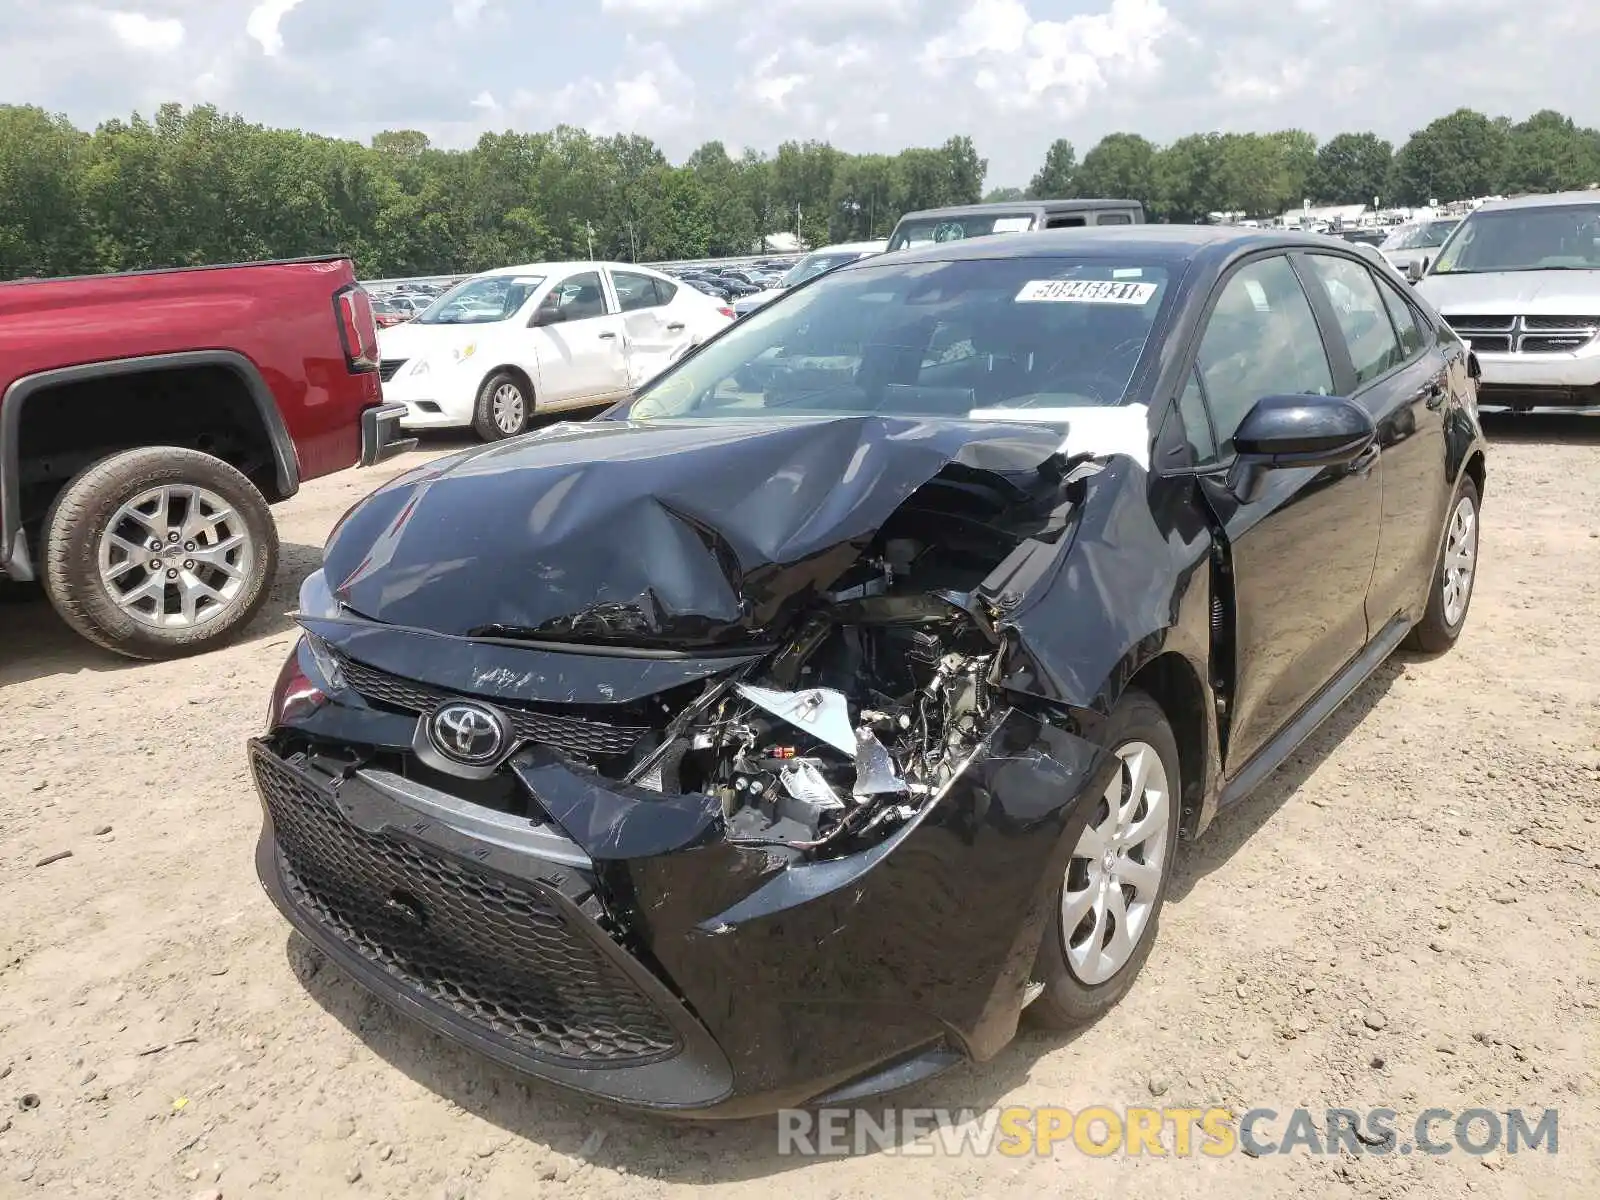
{"points": [[465, 352], [316, 598], [420, 367]]}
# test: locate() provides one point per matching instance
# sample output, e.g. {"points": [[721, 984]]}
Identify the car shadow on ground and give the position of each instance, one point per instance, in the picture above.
{"points": [[1236, 825], [652, 1146], [35, 642]]}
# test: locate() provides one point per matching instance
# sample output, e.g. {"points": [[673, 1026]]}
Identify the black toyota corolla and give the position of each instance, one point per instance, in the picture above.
{"points": [[780, 736]]}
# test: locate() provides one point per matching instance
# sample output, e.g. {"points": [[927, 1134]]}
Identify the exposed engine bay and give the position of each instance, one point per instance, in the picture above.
{"points": [[877, 701]]}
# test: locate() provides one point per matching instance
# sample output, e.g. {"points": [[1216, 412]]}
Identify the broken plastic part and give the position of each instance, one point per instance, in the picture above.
{"points": [[804, 782], [821, 712], [875, 773]]}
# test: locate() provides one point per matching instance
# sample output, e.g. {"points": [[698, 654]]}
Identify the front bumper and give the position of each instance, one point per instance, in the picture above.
{"points": [[617, 943], [380, 434]]}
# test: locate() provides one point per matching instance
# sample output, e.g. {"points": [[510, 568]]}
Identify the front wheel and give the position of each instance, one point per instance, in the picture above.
{"points": [[1450, 590], [159, 552], [1109, 902], [503, 409]]}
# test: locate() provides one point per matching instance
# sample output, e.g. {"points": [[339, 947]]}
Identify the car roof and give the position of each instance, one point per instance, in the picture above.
{"points": [[1551, 200], [562, 268], [959, 210], [1173, 243]]}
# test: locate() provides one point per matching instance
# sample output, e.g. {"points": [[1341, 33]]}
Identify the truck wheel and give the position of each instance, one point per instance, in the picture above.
{"points": [[503, 408], [159, 552]]}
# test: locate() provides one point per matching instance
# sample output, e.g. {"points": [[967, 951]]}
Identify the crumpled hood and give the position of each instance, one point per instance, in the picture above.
{"points": [[668, 533]]}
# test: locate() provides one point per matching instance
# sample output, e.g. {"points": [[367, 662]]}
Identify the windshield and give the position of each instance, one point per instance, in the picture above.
{"points": [[928, 231], [481, 301], [816, 264], [1553, 238], [927, 339], [1420, 237]]}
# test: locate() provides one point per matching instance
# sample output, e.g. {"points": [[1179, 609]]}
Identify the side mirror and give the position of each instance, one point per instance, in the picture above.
{"points": [[1416, 268], [1297, 431], [546, 315]]}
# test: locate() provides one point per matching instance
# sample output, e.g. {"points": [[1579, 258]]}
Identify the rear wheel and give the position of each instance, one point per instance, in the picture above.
{"points": [[1450, 592], [504, 407], [159, 552], [1109, 902]]}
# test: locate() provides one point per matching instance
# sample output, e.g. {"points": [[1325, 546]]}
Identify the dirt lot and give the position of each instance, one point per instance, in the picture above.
{"points": [[1428, 864]]}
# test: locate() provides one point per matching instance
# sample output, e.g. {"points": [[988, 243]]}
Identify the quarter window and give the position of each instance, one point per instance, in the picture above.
{"points": [[634, 291], [1404, 317], [1363, 317], [1261, 340]]}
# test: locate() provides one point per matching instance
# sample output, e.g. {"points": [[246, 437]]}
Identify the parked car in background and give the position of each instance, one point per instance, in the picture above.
{"points": [[1417, 243], [387, 313], [1519, 280], [148, 419], [501, 346], [939, 225], [816, 263], [775, 746]]}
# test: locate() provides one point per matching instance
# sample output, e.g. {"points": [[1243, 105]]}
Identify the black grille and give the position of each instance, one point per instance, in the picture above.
{"points": [[1476, 322], [572, 734], [500, 954], [1554, 343], [1488, 343], [388, 366], [1586, 325]]}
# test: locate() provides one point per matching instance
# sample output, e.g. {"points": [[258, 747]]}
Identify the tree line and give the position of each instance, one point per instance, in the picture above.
{"points": [[192, 186]]}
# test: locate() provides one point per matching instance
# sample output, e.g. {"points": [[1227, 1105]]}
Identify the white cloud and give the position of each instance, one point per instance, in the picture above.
{"points": [[485, 100], [139, 32], [1022, 63], [466, 12], [263, 21], [664, 12]]}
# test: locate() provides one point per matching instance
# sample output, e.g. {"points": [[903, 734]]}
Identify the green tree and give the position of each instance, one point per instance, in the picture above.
{"points": [[1004, 195], [1121, 166], [1187, 184], [42, 177], [1456, 157], [1352, 168], [1548, 153], [1055, 177]]}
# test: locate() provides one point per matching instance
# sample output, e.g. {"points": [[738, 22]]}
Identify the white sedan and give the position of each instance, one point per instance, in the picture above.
{"points": [[500, 346]]}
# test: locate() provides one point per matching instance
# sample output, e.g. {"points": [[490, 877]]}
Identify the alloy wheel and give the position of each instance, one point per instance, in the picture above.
{"points": [[1115, 873], [175, 556], [1460, 561]]}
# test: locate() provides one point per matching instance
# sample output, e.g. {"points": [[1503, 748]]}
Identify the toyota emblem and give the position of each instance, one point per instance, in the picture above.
{"points": [[467, 733]]}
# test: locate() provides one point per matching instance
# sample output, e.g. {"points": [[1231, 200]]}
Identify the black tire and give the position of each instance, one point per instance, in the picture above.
{"points": [[79, 518], [483, 416], [1067, 1002], [1434, 634]]}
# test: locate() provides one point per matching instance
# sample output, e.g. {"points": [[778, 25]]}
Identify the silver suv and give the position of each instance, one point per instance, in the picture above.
{"points": [[1520, 281]]}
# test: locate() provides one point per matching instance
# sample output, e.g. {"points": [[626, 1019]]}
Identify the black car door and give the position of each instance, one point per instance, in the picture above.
{"points": [[1401, 380], [1302, 550]]}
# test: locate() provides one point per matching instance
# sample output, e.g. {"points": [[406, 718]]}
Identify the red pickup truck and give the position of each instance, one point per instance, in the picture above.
{"points": [[148, 419]]}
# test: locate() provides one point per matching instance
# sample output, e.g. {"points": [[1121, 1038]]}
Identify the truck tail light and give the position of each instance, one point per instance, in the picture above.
{"points": [[358, 329]]}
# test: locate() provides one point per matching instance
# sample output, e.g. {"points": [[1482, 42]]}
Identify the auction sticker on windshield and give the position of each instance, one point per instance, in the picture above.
{"points": [[1084, 291]]}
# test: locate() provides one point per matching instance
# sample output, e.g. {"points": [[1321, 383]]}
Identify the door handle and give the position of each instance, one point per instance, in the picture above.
{"points": [[1367, 459], [1433, 393], [608, 334], [675, 327]]}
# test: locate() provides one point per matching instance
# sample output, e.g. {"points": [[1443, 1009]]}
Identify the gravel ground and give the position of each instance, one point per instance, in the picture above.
{"points": [[1403, 916]]}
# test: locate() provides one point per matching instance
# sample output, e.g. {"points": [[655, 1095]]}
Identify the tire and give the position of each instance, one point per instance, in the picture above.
{"points": [[75, 537], [486, 422], [1072, 997], [1436, 632]]}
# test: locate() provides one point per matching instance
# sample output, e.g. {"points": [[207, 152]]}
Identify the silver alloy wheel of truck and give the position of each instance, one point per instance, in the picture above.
{"points": [[159, 552]]}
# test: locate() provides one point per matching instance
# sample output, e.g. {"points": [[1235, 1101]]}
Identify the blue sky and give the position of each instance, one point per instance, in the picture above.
{"points": [[864, 74]]}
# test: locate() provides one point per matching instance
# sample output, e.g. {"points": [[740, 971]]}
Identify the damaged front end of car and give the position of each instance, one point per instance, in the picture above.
{"points": [[806, 853]]}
